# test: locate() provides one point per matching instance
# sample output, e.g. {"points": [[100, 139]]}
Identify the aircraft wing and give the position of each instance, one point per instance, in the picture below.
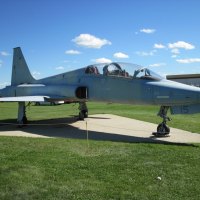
{"points": [[24, 99], [40, 99]]}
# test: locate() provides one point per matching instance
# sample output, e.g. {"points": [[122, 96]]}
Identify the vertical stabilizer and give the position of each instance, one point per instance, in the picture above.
{"points": [[20, 70]]}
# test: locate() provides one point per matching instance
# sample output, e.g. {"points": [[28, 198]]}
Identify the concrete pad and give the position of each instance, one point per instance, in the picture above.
{"points": [[100, 127]]}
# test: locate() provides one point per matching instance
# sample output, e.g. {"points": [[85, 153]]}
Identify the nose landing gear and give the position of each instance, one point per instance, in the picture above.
{"points": [[162, 128]]}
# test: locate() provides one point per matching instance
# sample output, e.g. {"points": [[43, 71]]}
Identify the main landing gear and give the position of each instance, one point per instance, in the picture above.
{"points": [[162, 128], [22, 119], [83, 111]]}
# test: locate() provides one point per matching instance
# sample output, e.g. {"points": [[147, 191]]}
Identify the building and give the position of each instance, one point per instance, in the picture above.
{"points": [[189, 79]]}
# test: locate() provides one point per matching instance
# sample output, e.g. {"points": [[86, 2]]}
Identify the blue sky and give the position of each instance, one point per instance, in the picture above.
{"points": [[61, 35]]}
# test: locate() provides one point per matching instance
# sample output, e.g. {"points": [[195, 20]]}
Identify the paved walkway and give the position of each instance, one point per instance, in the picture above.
{"points": [[100, 127]]}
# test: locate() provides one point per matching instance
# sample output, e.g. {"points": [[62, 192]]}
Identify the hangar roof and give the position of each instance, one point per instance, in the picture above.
{"points": [[183, 76]]}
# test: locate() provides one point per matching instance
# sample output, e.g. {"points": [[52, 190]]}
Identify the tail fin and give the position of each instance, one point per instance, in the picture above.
{"points": [[20, 70]]}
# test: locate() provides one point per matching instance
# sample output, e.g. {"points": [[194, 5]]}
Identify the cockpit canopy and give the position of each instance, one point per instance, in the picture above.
{"points": [[122, 70]]}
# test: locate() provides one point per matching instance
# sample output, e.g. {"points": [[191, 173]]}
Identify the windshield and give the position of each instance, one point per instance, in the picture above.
{"points": [[145, 73], [122, 70]]}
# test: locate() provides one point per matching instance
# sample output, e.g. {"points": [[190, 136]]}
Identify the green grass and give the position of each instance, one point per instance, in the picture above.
{"points": [[33, 168], [145, 113], [67, 169]]}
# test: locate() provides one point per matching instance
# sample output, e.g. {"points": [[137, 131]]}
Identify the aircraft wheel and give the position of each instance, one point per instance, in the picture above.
{"points": [[163, 129], [85, 113], [20, 125], [24, 120], [81, 116]]}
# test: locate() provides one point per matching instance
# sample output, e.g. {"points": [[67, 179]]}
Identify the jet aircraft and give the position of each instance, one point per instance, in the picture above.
{"points": [[109, 82]]}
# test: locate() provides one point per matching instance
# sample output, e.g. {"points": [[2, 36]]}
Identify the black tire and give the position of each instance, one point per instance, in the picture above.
{"points": [[24, 120], [163, 129], [81, 116], [85, 113]]}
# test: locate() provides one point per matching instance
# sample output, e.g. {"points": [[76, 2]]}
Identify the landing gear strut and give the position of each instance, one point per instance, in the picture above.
{"points": [[162, 128], [22, 119], [83, 110]]}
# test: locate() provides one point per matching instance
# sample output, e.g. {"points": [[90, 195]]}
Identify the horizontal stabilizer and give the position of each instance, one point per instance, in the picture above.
{"points": [[24, 99], [185, 109]]}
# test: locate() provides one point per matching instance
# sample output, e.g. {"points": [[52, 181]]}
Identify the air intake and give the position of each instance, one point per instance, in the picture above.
{"points": [[82, 92]]}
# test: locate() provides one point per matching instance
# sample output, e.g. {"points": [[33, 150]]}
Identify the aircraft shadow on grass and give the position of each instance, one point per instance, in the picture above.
{"points": [[63, 128]]}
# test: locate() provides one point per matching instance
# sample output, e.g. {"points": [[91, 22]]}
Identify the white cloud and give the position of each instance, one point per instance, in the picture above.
{"points": [[90, 41], [188, 60], [143, 53], [120, 55], [4, 53], [175, 51], [60, 68], [181, 45], [102, 60], [147, 30], [159, 46], [36, 74], [72, 52], [157, 65], [174, 56]]}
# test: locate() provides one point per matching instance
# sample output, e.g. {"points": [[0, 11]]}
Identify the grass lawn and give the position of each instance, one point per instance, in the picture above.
{"points": [[33, 168], [38, 168]]}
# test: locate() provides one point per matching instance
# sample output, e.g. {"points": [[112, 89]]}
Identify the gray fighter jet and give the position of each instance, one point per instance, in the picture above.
{"points": [[110, 82]]}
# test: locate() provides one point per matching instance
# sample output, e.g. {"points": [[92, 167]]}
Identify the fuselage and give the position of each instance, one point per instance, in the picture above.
{"points": [[121, 88]]}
